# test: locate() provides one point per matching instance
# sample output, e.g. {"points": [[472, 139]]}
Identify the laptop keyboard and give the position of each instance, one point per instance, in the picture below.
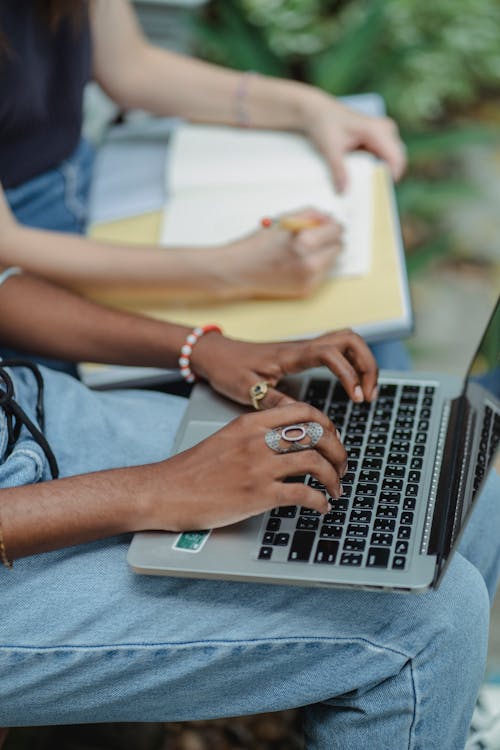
{"points": [[371, 525]]}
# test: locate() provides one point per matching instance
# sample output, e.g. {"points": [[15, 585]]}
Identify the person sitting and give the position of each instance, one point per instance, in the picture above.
{"points": [[83, 639], [48, 52]]}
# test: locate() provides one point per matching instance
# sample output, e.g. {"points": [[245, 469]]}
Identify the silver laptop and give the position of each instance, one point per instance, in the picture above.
{"points": [[417, 459]]}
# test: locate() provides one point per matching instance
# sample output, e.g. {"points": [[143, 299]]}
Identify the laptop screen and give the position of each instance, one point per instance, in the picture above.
{"points": [[485, 365]]}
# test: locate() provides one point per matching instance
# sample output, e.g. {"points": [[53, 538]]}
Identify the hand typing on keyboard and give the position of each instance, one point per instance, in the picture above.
{"points": [[234, 473], [233, 367]]}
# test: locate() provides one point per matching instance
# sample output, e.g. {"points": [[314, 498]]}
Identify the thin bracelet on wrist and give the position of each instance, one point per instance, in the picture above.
{"points": [[187, 349], [241, 112]]}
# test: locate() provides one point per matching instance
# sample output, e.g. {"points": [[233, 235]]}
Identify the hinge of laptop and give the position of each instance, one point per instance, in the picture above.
{"points": [[452, 480]]}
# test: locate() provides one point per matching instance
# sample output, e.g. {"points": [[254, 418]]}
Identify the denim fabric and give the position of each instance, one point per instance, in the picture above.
{"points": [[58, 199], [83, 639]]}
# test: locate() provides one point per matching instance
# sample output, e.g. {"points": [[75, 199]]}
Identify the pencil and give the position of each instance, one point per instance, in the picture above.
{"points": [[293, 223]]}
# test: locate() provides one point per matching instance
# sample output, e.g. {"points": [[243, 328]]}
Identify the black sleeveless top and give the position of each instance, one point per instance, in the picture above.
{"points": [[42, 75]]}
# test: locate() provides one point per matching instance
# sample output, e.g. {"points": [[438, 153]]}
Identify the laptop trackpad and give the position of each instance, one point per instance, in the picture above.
{"points": [[196, 431]]}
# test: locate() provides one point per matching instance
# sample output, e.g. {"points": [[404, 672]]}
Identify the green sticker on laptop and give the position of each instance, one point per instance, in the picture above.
{"points": [[192, 541]]}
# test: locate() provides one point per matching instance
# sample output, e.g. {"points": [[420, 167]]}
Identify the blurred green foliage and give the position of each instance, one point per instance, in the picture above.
{"points": [[433, 62]]}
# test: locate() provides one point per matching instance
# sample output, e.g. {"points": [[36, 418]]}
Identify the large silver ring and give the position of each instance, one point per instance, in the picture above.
{"points": [[294, 437]]}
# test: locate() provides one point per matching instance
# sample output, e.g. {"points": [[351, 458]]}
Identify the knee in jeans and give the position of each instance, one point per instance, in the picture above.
{"points": [[462, 614]]}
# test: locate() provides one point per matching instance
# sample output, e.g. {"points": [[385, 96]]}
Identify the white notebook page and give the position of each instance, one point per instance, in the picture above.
{"points": [[222, 181]]}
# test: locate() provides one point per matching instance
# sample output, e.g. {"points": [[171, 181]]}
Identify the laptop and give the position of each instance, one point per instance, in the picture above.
{"points": [[417, 458]]}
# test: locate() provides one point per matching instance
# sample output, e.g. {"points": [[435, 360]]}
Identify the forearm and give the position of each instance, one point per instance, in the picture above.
{"points": [[170, 84], [39, 317], [126, 272], [50, 515], [137, 74]]}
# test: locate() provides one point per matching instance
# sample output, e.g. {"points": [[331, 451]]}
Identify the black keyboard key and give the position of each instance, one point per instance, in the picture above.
{"points": [[281, 540], [372, 463], [331, 532], [407, 518], [341, 503], [354, 452], [404, 435], [425, 413], [286, 511], [360, 516], [309, 512], [351, 558], [339, 393], [427, 401], [418, 450], [364, 488], [265, 553], [326, 551], [357, 530], [376, 451], [409, 503], [364, 503], [334, 517], [414, 476], [381, 539], [411, 490], [390, 497], [416, 463], [392, 484], [376, 439], [378, 557], [387, 511], [401, 547], [354, 545], [273, 524], [307, 523], [384, 524], [411, 388], [395, 471], [387, 389], [404, 532], [397, 459], [429, 390], [301, 547], [368, 475], [423, 425], [268, 538], [316, 393], [399, 562], [400, 446], [420, 437]]}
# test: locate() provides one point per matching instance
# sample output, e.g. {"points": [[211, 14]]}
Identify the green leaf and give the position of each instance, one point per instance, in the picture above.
{"points": [[237, 43], [346, 67]]}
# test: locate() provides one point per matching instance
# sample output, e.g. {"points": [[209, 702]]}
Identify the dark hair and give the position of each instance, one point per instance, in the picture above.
{"points": [[52, 12]]}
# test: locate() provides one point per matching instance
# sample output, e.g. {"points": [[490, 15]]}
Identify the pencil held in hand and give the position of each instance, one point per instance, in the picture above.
{"points": [[293, 223]]}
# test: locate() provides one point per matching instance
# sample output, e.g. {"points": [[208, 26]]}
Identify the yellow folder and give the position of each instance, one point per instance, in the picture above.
{"points": [[376, 305]]}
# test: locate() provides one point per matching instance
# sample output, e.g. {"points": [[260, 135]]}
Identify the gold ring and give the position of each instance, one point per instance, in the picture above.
{"points": [[257, 393]]}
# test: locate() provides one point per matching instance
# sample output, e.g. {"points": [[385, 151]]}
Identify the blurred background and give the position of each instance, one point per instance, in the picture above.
{"points": [[437, 65]]}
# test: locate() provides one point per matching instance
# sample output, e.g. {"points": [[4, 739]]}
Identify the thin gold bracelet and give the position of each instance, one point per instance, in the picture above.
{"points": [[3, 552]]}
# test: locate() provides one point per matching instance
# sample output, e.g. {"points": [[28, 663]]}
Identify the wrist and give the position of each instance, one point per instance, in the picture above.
{"points": [[190, 365]]}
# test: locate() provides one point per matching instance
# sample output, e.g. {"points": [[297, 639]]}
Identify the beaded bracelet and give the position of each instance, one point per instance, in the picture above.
{"points": [[3, 552], [187, 348]]}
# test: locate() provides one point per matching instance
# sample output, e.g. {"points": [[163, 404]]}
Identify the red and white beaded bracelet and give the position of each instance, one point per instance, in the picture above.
{"points": [[187, 348]]}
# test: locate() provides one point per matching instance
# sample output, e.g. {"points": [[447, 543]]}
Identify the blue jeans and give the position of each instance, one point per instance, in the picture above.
{"points": [[83, 639]]}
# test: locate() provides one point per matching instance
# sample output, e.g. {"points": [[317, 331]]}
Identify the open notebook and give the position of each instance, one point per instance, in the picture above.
{"points": [[222, 181]]}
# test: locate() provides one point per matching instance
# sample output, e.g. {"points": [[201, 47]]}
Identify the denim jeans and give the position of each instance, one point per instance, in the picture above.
{"points": [[83, 639]]}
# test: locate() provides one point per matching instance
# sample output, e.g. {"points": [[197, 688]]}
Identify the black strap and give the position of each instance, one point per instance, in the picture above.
{"points": [[17, 417]]}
